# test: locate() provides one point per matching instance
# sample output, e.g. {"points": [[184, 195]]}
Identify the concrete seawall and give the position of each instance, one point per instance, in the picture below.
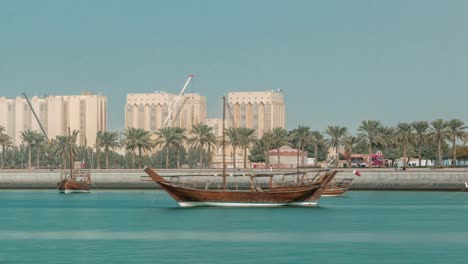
{"points": [[429, 180], [371, 179]]}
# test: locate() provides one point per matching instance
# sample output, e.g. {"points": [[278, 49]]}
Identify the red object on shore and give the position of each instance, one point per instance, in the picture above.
{"points": [[357, 173]]}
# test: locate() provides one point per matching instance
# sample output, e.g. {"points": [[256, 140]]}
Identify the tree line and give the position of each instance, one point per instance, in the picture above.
{"points": [[170, 147]]}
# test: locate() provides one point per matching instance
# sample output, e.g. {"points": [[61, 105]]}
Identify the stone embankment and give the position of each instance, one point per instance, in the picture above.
{"points": [[370, 179]]}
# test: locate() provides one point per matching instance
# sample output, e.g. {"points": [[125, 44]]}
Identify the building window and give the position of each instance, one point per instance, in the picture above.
{"points": [[153, 118], [255, 116], [243, 118], [268, 123]]}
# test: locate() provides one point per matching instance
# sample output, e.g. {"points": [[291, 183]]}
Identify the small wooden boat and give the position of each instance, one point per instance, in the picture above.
{"points": [[301, 191], [337, 188], [77, 182]]}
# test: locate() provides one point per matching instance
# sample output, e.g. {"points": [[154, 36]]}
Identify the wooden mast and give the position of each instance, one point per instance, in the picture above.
{"points": [[224, 143], [71, 154]]}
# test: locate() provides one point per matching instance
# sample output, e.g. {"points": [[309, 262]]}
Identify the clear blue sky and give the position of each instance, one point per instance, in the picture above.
{"points": [[338, 62]]}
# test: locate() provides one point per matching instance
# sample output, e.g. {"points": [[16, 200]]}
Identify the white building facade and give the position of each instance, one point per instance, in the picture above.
{"points": [[149, 111], [86, 113], [261, 111]]}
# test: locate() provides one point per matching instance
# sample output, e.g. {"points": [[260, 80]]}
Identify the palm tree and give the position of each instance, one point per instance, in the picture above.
{"points": [[179, 142], [439, 133], [349, 143], [267, 139], [47, 150], [137, 138], [302, 137], [29, 138], [420, 128], [109, 141], [5, 141], [233, 140], [386, 139], [39, 145], [213, 143], [369, 133], [317, 139], [98, 147], [61, 147], [167, 137], [202, 135], [337, 135], [404, 135], [247, 138], [279, 139], [129, 142], [456, 129]]}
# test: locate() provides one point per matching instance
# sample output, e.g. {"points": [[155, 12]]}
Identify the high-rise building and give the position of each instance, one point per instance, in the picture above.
{"points": [[86, 113], [261, 111], [149, 111]]}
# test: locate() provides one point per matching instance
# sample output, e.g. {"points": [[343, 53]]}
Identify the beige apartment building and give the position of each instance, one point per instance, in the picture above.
{"points": [[261, 111], [149, 110], [217, 125], [86, 113]]}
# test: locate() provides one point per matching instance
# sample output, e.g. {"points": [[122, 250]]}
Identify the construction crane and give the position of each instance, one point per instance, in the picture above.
{"points": [[177, 100], [35, 116]]}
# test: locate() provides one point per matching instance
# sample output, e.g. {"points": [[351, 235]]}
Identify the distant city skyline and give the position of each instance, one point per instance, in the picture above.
{"points": [[338, 62], [85, 113]]}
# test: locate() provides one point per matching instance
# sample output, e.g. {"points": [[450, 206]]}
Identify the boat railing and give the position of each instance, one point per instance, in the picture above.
{"points": [[253, 182], [78, 174], [344, 183]]}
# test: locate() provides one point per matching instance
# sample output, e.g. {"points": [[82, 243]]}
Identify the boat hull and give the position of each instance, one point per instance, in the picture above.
{"points": [[241, 198], [338, 188], [334, 192], [236, 204], [67, 186], [297, 195]]}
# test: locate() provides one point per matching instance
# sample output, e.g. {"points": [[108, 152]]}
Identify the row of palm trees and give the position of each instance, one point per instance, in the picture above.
{"points": [[138, 142], [374, 134], [5, 142]]}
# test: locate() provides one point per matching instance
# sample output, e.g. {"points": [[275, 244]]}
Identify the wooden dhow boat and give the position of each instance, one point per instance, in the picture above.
{"points": [[298, 190], [77, 181], [302, 191]]}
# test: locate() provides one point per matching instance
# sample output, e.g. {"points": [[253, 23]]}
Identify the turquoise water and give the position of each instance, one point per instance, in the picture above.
{"points": [[149, 227]]}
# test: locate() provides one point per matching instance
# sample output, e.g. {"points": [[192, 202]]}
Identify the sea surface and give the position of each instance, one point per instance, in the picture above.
{"points": [[149, 227]]}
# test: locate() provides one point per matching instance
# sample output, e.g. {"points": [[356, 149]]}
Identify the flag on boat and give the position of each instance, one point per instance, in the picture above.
{"points": [[357, 173]]}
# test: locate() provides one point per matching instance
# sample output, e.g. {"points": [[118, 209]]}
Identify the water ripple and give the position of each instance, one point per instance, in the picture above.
{"points": [[273, 237]]}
